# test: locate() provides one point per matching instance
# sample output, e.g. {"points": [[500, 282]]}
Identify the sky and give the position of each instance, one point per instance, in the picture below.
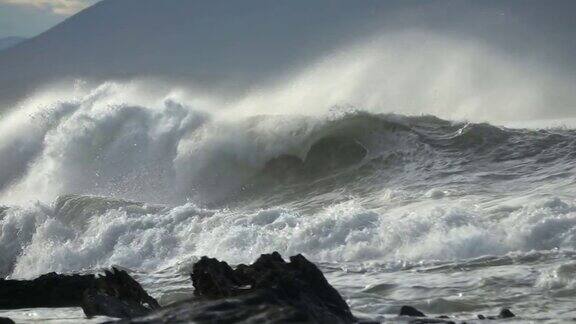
{"points": [[27, 18]]}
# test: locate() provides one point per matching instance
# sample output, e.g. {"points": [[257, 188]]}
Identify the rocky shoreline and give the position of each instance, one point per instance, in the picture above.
{"points": [[270, 290]]}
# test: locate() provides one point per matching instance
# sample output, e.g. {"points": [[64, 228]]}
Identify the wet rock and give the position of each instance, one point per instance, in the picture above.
{"points": [[431, 321], [215, 279], [411, 311], [254, 307], [49, 290], [116, 294], [504, 313], [4, 320], [270, 290], [299, 284]]}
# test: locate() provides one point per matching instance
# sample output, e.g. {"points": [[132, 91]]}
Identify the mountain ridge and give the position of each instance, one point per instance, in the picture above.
{"points": [[10, 41], [244, 44]]}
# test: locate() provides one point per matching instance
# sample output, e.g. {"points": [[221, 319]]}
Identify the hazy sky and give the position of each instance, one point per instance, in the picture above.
{"points": [[28, 18], [453, 58]]}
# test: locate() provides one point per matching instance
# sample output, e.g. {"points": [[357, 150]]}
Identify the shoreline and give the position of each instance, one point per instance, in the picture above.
{"points": [[270, 289]]}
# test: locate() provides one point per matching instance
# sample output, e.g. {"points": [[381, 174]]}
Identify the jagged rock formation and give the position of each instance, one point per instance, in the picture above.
{"points": [[114, 294], [270, 290], [49, 290]]}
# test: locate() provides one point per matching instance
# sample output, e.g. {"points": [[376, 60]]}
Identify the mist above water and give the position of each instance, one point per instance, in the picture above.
{"points": [[367, 137], [87, 137], [488, 61]]}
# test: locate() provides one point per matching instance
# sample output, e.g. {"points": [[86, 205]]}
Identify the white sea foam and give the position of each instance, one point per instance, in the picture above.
{"points": [[133, 141], [37, 240], [150, 141], [562, 277], [107, 142]]}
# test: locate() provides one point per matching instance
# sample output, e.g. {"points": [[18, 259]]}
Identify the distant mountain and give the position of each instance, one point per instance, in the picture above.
{"points": [[8, 42], [250, 41], [207, 41]]}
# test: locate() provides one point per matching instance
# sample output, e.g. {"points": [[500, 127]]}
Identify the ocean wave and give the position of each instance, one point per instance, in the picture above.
{"points": [[111, 142], [113, 176], [42, 238]]}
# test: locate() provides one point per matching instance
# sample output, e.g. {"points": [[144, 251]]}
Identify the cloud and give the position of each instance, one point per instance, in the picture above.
{"points": [[60, 7]]}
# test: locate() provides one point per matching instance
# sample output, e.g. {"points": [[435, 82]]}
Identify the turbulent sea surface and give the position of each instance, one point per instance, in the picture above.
{"points": [[454, 218]]}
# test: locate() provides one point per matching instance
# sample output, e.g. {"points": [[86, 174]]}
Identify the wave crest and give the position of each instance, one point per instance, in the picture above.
{"points": [[113, 142]]}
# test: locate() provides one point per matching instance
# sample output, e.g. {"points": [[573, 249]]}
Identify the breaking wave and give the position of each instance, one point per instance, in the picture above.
{"points": [[103, 232], [115, 177], [107, 143]]}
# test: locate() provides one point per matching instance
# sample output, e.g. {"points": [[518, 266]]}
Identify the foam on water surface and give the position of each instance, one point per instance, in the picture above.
{"points": [[40, 239], [150, 182]]}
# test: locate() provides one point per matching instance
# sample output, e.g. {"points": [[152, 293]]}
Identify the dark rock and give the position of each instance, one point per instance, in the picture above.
{"points": [[4, 320], [253, 307], [214, 279], [431, 321], [299, 284], [49, 290], [116, 294], [270, 290], [411, 311], [504, 313]]}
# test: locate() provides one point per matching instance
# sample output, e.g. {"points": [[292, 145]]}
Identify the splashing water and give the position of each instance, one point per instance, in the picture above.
{"points": [[453, 217]]}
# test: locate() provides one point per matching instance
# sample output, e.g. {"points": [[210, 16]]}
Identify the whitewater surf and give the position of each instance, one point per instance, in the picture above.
{"points": [[420, 153], [452, 217]]}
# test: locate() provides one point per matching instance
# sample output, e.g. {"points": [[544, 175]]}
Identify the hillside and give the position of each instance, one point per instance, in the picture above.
{"points": [[8, 42], [203, 40], [245, 42]]}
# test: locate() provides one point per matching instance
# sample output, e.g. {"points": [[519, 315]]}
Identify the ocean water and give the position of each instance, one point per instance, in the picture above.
{"points": [[455, 218]]}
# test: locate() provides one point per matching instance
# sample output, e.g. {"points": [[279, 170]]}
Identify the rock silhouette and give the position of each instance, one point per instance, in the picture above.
{"points": [[270, 290], [114, 294]]}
